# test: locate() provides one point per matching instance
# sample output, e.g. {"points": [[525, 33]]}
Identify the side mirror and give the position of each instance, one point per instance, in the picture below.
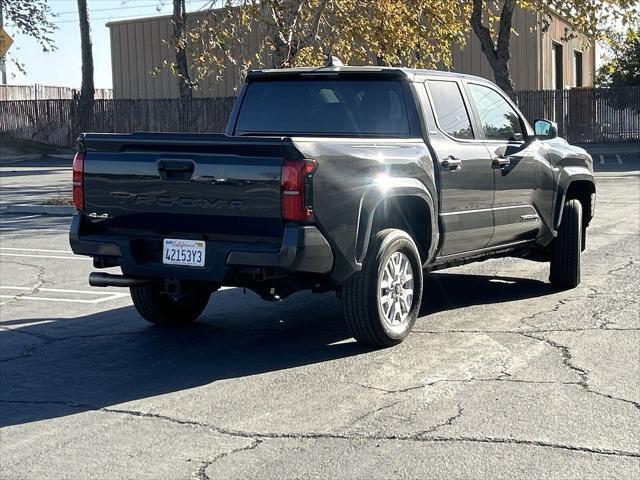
{"points": [[545, 129]]}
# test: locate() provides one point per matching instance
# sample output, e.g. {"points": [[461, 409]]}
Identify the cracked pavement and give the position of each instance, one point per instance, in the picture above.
{"points": [[501, 378]]}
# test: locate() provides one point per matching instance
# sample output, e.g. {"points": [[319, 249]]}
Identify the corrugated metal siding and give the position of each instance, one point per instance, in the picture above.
{"points": [[138, 47], [524, 51], [555, 33]]}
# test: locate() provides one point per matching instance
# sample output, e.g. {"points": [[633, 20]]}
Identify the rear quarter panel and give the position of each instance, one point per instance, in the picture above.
{"points": [[350, 168]]}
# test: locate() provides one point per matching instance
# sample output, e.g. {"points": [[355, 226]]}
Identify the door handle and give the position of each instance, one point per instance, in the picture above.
{"points": [[501, 162], [452, 163]]}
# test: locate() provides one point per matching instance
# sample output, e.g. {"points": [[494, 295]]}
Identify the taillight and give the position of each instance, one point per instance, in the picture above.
{"points": [[78, 174], [296, 189]]}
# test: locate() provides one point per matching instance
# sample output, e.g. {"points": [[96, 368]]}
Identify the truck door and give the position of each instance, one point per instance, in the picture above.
{"points": [[463, 169], [523, 175]]}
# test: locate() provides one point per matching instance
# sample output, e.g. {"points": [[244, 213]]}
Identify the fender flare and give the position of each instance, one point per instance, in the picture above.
{"points": [[376, 194], [568, 175]]}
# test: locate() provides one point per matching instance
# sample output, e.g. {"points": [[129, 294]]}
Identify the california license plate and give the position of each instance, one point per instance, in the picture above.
{"points": [[183, 252]]}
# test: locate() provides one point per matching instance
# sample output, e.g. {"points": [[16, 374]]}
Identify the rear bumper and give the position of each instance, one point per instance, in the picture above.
{"points": [[303, 250]]}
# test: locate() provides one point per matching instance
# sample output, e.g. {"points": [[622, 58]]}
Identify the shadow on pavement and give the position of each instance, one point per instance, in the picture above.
{"points": [[112, 357], [32, 224], [447, 291]]}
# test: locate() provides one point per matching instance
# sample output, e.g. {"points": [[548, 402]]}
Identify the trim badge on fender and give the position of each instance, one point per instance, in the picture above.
{"points": [[529, 217]]}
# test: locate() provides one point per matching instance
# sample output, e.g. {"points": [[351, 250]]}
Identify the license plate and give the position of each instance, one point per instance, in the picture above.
{"points": [[183, 252]]}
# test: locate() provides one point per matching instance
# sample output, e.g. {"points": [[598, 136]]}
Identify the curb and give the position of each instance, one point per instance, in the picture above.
{"points": [[611, 148], [59, 156], [11, 159], [56, 158], [39, 209], [617, 174]]}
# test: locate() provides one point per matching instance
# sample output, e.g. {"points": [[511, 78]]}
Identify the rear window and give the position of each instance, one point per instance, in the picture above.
{"points": [[324, 107]]}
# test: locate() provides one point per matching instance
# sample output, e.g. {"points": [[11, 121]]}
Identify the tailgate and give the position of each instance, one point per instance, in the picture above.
{"points": [[197, 184]]}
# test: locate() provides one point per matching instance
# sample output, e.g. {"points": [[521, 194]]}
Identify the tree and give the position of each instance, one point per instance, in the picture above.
{"points": [[85, 107], [493, 24], [497, 52], [180, 67], [413, 33], [622, 65], [32, 19]]}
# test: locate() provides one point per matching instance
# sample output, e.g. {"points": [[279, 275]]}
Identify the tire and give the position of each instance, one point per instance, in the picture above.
{"points": [[161, 309], [361, 295], [566, 248]]}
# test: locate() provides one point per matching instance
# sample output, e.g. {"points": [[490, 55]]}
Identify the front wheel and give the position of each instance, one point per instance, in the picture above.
{"points": [[157, 307], [381, 302], [566, 248]]}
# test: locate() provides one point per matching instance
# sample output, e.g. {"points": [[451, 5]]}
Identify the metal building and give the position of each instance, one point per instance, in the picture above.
{"points": [[539, 60]]}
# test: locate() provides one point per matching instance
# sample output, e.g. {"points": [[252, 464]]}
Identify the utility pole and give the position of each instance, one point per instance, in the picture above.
{"points": [[3, 62]]}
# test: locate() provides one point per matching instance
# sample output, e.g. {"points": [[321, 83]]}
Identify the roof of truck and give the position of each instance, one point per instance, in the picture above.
{"points": [[413, 74]]}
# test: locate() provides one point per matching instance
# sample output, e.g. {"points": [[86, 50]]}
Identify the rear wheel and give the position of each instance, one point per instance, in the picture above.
{"points": [[566, 248], [169, 310], [381, 302]]}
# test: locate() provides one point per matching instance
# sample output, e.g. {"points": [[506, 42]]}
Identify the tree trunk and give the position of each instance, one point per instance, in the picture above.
{"points": [[85, 107], [497, 53], [179, 27], [282, 19]]}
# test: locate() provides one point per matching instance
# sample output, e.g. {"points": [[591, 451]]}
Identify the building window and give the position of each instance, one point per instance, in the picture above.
{"points": [[577, 67], [556, 66]]}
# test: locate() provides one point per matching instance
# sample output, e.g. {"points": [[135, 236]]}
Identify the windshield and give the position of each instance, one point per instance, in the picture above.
{"points": [[324, 107]]}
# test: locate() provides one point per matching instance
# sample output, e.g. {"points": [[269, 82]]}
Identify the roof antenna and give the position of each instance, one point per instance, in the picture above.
{"points": [[331, 61]]}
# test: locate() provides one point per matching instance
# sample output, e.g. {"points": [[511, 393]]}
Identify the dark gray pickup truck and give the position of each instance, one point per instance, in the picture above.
{"points": [[346, 179]]}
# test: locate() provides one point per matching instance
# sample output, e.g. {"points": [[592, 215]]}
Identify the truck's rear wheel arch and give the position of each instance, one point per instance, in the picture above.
{"points": [[410, 213]]}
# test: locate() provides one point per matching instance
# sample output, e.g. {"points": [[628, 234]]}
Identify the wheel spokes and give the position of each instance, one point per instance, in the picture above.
{"points": [[396, 289]]}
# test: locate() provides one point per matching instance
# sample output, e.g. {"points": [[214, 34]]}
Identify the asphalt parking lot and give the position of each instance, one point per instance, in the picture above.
{"points": [[501, 378]]}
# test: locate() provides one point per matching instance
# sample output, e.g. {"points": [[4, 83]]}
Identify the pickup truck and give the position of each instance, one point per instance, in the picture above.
{"points": [[348, 179]]}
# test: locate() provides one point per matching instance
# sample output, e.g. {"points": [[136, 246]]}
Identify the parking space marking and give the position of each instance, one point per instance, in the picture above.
{"points": [[619, 158], [35, 250], [18, 219], [68, 257], [104, 296]]}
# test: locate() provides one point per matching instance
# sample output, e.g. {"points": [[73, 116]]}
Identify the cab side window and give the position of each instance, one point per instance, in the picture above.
{"points": [[450, 110], [499, 120]]}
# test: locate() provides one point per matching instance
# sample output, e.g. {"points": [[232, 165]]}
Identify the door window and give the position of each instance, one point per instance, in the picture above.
{"points": [[499, 120], [450, 111]]}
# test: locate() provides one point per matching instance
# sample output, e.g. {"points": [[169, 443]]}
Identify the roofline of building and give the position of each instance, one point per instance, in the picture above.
{"points": [[410, 73], [157, 17]]}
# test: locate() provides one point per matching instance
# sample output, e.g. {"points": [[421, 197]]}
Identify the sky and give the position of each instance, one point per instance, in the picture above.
{"points": [[62, 67]]}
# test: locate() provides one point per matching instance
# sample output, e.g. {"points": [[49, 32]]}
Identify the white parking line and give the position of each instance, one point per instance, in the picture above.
{"points": [[69, 257], [17, 219], [58, 290], [619, 158], [68, 300], [35, 250], [105, 296]]}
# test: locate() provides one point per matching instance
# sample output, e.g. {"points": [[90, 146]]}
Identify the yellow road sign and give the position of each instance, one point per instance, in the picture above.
{"points": [[5, 42]]}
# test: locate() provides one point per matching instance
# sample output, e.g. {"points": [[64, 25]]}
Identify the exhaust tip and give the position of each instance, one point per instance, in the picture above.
{"points": [[100, 279]]}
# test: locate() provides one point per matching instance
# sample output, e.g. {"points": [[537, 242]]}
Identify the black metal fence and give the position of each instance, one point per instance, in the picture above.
{"points": [[584, 115]]}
